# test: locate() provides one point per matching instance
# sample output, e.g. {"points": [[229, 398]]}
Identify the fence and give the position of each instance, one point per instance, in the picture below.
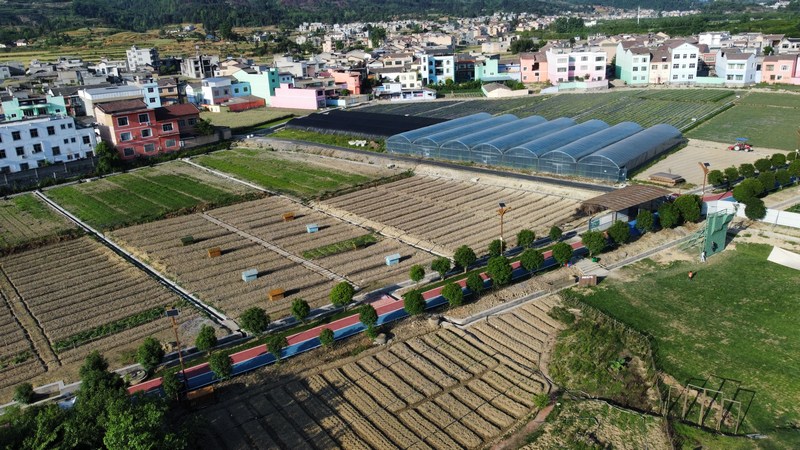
{"points": [[53, 173]]}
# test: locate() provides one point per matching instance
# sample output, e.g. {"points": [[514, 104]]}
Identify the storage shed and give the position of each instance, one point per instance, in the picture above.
{"points": [[249, 275], [404, 142], [276, 294], [393, 259], [312, 228], [462, 146], [564, 160], [613, 163], [214, 252], [429, 146], [526, 155]]}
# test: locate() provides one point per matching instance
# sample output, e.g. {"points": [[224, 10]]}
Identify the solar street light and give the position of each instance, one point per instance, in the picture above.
{"points": [[501, 212]]}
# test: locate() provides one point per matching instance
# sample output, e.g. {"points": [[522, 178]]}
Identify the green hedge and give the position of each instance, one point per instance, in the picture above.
{"points": [[340, 247], [109, 328]]}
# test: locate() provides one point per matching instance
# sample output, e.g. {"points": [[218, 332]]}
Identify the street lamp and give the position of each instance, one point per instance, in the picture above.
{"points": [[501, 212], [704, 168], [172, 314]]}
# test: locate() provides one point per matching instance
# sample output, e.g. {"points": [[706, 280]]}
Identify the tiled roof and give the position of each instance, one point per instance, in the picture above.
{"points": [[121, 106]]}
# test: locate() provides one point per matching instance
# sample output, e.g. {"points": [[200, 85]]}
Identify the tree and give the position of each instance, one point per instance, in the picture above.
{"points": [[368, 316], [220, 363], [763, 164], [620, 232], [417, 273], [300, 309], [413, 302], [783, 177], [523, 45], [668, 215], [204, 127], [594, 241], [441, 265], [344, 92], [562, 253], [531, 259], [778, 160], [526, 238], [464, 257], [716, 177], [376, 36], [555, 233], [689, 206], [326, 337], [767, 179], [754, 208], [206, 338], [794, 168], [768, 50], [645, 221], [171, 385], [791, 156], [747, 170], [475, 284], [275, 344], [254, 320], [107, 158], [453, 293], [497, 247], [149, 354], [731, 175], [342, 294], [140, 425], [499, 268], [748, 188], [23, 393]]}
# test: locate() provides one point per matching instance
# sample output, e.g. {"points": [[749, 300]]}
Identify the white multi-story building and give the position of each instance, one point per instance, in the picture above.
{"points": [[683, 63], [138, 58], [32, 143], [737, 69], [146, 90]]}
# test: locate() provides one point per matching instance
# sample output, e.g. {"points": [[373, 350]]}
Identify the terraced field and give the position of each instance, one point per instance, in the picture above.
{"points": [[25, 219], [444, 214], [445, 389]]}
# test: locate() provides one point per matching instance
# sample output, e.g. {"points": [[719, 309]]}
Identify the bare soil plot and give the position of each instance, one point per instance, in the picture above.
{"points": [[26, 220], [451, 213], [442, 389], [218, 281], [18, 361]]}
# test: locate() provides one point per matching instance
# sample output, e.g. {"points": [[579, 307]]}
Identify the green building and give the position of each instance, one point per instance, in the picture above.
{"points": [[632, 65], [262, 82], [19, 108]]}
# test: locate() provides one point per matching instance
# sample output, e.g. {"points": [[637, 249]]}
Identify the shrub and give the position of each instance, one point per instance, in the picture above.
{"points": [[645, 221], [254, 320], [689, 207], [368, 316], [562, 252], [541, 400], [594, 241], [562, 315], [668, 215], [754, 208], [454, 294], [417, 273], [220, 363], [413, 302], [496, 247], [326, 337], [731, 175], [464, 257], [24, 394], [275, 344], [499, 268], [763, 165], [767, 180], [716, 178], [794, 168], [149, 353], [300, 309], [525, 238], [555, 233], [441, 266], [531, 259], [791, 156], [206, 338], [778, 159], [747, 170], [620, 232], [342, 294], [783, 177], [475, 284], [749, 188]]}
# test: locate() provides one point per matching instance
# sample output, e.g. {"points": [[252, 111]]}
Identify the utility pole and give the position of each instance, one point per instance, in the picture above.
{"points": [[501, 212], [704, 168], [172, 314]]}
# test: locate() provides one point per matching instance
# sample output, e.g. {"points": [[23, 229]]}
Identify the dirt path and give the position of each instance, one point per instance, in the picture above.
{"points": [[517, 439]]}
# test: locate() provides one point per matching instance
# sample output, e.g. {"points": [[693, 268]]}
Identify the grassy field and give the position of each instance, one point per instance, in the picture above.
{"points": [[769, 120], [279, 174], [240, 121], [737, 320], [144, 195], [25, 219], [329, 139]]}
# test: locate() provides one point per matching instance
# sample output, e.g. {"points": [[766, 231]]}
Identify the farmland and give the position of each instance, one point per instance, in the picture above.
{"points": [[18, 359], [242, 121], [443, 389], [443, 215], [145, 195], [751, 338], [647, 108], [25, 219], [289, 174], [768, 120]]}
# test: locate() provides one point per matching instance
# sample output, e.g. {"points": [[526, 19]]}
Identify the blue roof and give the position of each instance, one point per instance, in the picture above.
{"points": [[590, 144], [503, 143], [410, 136], [437, 139], [480, 136], [553, 141]]}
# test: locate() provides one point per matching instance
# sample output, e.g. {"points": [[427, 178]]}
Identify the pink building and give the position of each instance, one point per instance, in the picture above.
{"points": [[533, 67], [782, 69], [576, 66], [287, 96], [352, 80]]}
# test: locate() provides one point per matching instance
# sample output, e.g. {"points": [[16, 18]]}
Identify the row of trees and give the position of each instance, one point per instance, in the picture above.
{"points": [[772, 169]]}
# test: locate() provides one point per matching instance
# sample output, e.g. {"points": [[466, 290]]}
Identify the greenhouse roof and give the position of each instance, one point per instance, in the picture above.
{"points": [[553, 141], [503, 143], [590, 144], [493, 132], [632, 148], [410, 136], [437, 139]]}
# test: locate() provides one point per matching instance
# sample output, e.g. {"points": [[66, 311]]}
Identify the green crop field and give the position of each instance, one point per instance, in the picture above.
{"points": [[768, 120], [737, 320], [143, 195], [241, 121], [680, 107], [25, 219], [280, 174]]}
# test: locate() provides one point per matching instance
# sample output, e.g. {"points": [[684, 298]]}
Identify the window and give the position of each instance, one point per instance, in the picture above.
{"points": [[170, 143], [784, 67], [20, 151], [236, 90], [693, 56], [127, 151], [56, 150], [666, 66], [89, 154], [600, 58], [644, 68], [152, 99], [561, 69], [150, 90], [5, 169], [63, 126], [181, 123], [72, 140], [37, 148], [677, 56], [675, 66], [125, 137], [584, 58], [87, 140], [635, 69], [2, 154], [683, 66], [16, 135], [674, 77], [729, 77], [144, 118], [739, 77], [149, 147], [244, 89], [147, 132], [122, 121], [691, 77], [654, 67], [24, 166], [167, 127], [192, 121], [34, 133]]}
